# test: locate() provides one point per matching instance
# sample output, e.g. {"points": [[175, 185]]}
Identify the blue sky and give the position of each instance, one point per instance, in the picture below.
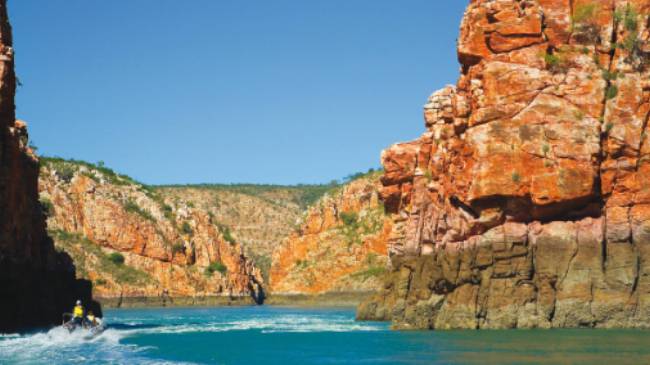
{"points": [[283, 91]]}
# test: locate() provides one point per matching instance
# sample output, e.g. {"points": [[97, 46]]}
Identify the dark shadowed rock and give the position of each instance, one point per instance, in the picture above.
{"points": [[37, 283]]}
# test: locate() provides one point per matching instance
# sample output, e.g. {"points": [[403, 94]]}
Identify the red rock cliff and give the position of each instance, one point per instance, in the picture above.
{"points": [[37, 284], [340, 245], [136, 244], [527, 201]]}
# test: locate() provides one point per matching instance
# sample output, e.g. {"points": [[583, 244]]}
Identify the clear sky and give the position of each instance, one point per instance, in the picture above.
{"points": [[282, 91]]}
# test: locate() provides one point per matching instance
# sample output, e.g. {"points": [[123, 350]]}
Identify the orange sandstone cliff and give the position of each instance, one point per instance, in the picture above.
{"points": [[340, 245], [139, 246], [526, 203], [37, 283]]}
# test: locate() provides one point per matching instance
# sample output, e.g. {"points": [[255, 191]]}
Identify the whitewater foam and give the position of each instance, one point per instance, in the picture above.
{"points": [[285, 323], [58, 346]]}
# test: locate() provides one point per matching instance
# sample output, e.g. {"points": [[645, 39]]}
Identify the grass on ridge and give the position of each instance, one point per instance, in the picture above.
{"points": [[67, 167]]}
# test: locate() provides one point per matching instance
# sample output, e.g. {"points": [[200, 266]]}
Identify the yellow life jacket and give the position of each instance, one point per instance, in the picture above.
{"points": [[78, 311]]}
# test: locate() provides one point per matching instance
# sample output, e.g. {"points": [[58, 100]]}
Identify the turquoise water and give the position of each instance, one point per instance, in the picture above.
{"points": [[272, 335]]}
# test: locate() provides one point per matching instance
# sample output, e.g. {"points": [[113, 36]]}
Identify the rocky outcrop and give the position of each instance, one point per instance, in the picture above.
{"points": [[527, 201], [37, 283], [132, 241], [339, 247]]}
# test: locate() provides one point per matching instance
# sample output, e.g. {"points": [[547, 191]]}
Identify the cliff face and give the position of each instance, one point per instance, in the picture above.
{"points": [[339, 247], [134, 242], [527, 201], [37, 283], [257, 216]]}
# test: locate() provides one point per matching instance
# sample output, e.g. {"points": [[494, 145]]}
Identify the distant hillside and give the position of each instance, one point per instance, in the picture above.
{"points": [[257, 216], [302, 195]]}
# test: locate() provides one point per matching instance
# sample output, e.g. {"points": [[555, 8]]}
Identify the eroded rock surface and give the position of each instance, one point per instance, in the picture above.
{"points": [[170, 248], [527, 201], [340, 245]]}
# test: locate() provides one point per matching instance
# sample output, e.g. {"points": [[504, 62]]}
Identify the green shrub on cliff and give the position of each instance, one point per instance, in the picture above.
{"points": [[584, 23], [356, 225], [349, 218], [167, 210], [132, 207], [350, 227], [122, 273], [47, 207], [114, 178], [373, 220], [611, 92], [516, 178], [302, 264], [556, 61], [91, 175], [186, 228], [178, 248], [628, 16], [636, 55], [428, 175], [65, 172], [216, 266], [609, 75], [225, 232], [631, 42], [584, 13], [116, 258]]}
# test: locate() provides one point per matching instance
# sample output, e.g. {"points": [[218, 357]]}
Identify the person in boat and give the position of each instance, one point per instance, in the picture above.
{"points": [[91, 320], [78, 314]]}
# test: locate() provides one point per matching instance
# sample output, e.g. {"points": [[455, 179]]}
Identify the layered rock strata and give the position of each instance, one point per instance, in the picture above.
{"points": [[133, 242], [340, 246], [527, 201], [37, 283]]}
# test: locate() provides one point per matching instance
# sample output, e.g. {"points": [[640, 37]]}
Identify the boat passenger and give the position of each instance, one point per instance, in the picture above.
{"points": [[91, 319], [78, 314]]}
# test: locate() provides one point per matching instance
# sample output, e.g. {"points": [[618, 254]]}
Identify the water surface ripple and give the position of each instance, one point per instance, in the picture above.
{"points": [[272, 335]]}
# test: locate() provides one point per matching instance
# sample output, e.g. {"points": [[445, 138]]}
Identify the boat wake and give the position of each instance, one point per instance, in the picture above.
{"points": [[287, 324], [115, 344], [58, 346]]}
